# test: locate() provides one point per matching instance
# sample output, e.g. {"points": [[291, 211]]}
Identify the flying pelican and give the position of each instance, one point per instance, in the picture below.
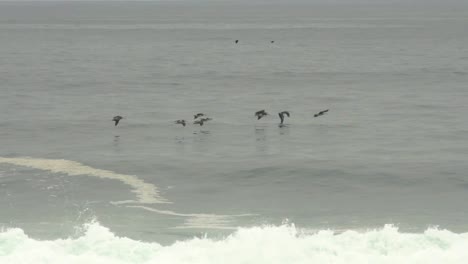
{"points": [[321, 113], [202, 121], [198, 115], [260, 114], [181, 121], [281, 115], [199, 122], [116, 119]]}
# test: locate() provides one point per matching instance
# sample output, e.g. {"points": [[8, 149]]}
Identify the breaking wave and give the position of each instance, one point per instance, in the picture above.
{"points": [[266, 244]]}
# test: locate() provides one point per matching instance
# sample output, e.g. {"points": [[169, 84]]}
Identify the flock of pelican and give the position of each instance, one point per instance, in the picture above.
{"points": [[201, 118]]}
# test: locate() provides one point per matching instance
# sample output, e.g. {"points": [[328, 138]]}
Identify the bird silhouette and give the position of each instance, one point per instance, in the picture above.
{"points": [[281, 115], [321, 113], [117, 119], [260, 114]]}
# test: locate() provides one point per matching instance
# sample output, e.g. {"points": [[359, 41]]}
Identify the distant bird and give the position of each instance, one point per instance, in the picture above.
{"points": [[260, 114], [116, 119], [281, 115], [237, 41], [198, 115], [321, 113], [202, 121], [181, 121], [272, 41], [199, 122]]}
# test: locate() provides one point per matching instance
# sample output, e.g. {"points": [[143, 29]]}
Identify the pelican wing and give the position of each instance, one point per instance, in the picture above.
{"points": [[281, 116]]}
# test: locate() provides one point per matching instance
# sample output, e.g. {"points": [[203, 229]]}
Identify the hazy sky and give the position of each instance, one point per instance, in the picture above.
{"points": [[271, 1], [446, 5]]}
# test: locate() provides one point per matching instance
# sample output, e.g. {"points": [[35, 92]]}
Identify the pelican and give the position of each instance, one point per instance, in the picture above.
{"points": [[198, 115], [281, 115], [199, 122], [181, 121], [260, 114], [116, 119], [321, 113], [202, 121]]}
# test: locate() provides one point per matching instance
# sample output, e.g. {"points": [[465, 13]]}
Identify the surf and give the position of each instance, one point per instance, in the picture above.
{"points": [[260, 244]]}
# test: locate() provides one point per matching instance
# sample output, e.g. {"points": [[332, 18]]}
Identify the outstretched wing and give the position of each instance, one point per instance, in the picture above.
{"points": [[116, 121], [281, 117], [261, 112]]}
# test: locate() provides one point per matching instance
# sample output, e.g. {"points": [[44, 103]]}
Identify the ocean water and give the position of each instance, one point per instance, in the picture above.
{"points": [[381, 178]]}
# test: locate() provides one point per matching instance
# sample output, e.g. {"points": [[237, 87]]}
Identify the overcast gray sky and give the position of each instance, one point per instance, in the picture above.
{"points": [[270, 1]]}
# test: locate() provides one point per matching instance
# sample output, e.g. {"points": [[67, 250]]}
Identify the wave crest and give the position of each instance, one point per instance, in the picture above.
{"points": [[265, 244]]}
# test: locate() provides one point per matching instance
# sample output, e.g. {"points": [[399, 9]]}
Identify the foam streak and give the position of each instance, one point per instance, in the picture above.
{"points": [[146, 193], [197, 220]]}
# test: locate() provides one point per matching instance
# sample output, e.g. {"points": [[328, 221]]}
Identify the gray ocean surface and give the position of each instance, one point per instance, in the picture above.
{"points": [[391, 150]]}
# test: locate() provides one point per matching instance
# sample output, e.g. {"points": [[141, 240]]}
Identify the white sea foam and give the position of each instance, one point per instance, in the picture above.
{"points": [[145, 192], [198, 220], [267, 244]]}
